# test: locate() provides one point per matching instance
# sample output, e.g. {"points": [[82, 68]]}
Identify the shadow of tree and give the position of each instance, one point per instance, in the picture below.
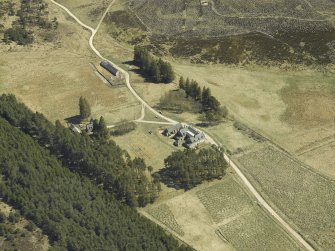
{"points": [[168, 178], [76, 119]]}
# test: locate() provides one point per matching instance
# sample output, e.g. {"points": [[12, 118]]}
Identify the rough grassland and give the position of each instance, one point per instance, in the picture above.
{"points": [[224, 199], [164, 214], [207, 215], [294, 108], [23, 239], [256, 235], [227, 31], [305, 197], [154, 148], [51, 78], [88, 11]]}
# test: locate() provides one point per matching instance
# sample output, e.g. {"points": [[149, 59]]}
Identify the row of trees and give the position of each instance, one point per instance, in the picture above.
{"points": [[70, 209], [154, 69], [100, 160], [210, 105], [159, 71], [189, 168]]}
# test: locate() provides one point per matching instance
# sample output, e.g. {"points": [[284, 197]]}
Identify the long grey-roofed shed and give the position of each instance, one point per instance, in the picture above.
{"points": [[106, 65]]}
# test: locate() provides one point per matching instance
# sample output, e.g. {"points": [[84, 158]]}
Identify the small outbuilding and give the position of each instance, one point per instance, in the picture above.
{"points": [[74, 128], [204, 3]]}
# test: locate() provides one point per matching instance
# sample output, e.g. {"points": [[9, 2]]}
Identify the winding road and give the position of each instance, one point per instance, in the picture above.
{"points": [[246, 182]]}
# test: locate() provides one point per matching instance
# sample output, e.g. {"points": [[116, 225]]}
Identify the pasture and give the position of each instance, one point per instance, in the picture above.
{"points": [[154, 147], [164, 214], [305, 198], [50, 78], [294, 108], [208, 215], [87, 11], [232, 139], [256, 234]]}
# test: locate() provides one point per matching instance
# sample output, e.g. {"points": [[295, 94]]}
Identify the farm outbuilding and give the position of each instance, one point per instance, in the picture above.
{"points": [[204, 3], [195, 140], [74, 128], [107, 66], [172, 130], [186, 135]]}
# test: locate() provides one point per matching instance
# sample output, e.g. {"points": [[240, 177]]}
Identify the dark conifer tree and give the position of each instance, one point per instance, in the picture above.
{"points": [[103, 131], [206, 93], [187, 87], [75, 213], [84, 108], [198, 93], [156, 72], [181, 83]]}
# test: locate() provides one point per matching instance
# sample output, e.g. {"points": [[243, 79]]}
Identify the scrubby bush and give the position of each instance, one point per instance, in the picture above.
{"points": [[123, 128], [2, 217], [18, 35]]}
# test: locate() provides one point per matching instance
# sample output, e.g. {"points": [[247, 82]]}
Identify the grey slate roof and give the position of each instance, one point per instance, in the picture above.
{"points": [[173, 129], [105, 64]]}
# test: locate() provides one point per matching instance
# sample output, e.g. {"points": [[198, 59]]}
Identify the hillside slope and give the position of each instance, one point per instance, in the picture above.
{"points": [[295, 31]]}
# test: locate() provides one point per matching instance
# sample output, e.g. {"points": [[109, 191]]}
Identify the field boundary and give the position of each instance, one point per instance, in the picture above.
{"points": [[175, 234], [261, 200], [258, 187], [316, 145]]}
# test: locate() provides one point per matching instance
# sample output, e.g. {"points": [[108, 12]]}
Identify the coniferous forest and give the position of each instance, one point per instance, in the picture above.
{"points": [[155, 70], [98, 159], [210, 105], [189, 168], [73, 211]]}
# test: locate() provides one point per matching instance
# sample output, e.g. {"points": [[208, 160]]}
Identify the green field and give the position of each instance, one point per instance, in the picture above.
{"points": [[303, 196], [224, 200], [241, 222], [220, 215], [154, 148], [249, 233], [164, 215]]}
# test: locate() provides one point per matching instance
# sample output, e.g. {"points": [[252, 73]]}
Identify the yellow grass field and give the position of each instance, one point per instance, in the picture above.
{"points": [[219, 216], [154, 148], [50, 78], [294, 108]]}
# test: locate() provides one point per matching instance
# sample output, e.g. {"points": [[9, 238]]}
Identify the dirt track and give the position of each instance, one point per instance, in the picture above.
{"points": [[259, 198]]}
